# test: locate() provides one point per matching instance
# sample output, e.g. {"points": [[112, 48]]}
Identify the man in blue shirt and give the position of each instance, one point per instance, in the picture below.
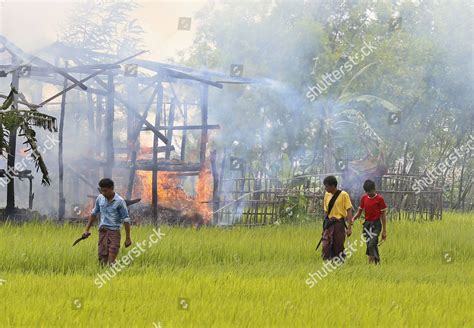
{"points": [[113, 212]]}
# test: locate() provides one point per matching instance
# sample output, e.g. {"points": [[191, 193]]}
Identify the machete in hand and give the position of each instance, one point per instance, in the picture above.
{"points": [[85, 235]]}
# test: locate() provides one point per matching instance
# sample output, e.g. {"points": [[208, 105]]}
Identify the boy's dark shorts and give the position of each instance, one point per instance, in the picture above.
{"points": [[109, 245], [372, 239]]}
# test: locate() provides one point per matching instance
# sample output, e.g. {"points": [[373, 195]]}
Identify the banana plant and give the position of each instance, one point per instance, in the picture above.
{"points": [[13, 119], [346, 114]]}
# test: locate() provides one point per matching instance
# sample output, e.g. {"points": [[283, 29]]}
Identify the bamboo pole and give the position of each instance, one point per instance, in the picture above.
{"points": [[204, 114], [62, 199], [109, 128], [154, 183]]}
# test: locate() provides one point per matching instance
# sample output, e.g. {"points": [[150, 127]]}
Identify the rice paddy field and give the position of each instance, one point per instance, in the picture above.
{"points": [[239, 277]]}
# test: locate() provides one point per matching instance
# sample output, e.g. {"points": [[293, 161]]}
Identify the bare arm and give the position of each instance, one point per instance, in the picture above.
{"points": [[358, 214], [127, 230], [92, 217], [383, 218], [90, 221], [349, 222], [349, 216], [126, 223], [128, 239]]}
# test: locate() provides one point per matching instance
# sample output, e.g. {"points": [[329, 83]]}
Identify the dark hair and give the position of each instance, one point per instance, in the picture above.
{"points": [[369, 185], [330, 180], [106, 183]]}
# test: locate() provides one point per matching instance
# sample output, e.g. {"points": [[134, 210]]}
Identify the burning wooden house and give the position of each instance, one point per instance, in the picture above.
{"points": [[142, 123]]}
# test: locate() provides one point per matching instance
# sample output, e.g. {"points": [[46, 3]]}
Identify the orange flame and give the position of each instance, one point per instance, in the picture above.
{"points": [[204, 189], [172, 195], [145, 151]]}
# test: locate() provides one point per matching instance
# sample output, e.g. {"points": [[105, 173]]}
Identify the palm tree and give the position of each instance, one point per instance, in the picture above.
{"points": [[12, 119]]}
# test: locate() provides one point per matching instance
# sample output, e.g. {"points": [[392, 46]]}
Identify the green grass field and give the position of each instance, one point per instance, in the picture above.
{"points": [[239, 277]]}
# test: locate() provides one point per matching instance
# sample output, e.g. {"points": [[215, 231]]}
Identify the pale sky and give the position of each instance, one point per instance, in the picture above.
{"points": [[33, 25]]}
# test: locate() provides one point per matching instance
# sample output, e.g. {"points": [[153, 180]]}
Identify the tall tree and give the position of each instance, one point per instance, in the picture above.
{"points": [[103, 26]]}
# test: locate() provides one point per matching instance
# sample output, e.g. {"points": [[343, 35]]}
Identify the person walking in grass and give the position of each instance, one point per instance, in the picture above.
{"points": [[374, 207], [338, 211], [113, 213]]}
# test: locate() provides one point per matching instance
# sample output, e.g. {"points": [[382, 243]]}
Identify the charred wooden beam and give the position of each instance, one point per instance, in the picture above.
{"points": [[184, 138], [15, 51], [132, 97], [154, 175], [134, 140], [88, 78], [81, 177], [54, 81], [139, 123], [62, 200], [90, 123], [27, 104], [204, 136], [187, 174], [129, 108], [186, 127], [88, 69], [131, 176], [132, 143], [181, 75], [126, 150], [31, 194], [25, 174], [144, 121], [169, 131], [109, 128], [98, 126], [36, 71], [215, 189], [143, 165]]}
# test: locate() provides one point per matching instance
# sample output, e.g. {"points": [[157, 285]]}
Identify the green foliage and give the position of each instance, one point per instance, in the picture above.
{"points": [[294, 210], [104, 27], [12, 119], [420, 68]]}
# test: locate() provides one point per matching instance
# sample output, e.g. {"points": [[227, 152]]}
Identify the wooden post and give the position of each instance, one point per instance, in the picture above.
{"points": [[131, 177], [93, 174], [134, 142], [221, 186], [12, 150], [98, 127], [204, 107], [154, 182], [169, 133], [132, 121], [109, 128], [184, 138], [62, 200], [215, 189], [31, 195], [90, 122]]}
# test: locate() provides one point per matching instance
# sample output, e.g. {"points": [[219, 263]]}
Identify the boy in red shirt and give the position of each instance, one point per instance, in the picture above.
{"points": [[375, 221]]}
